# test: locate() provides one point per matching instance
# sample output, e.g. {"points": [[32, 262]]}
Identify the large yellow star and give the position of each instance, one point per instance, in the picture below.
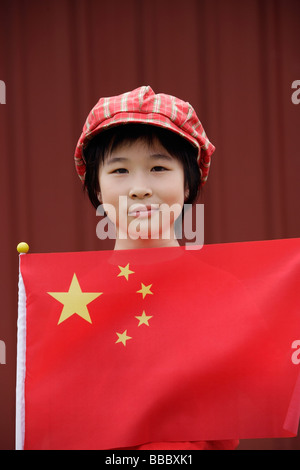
{"points": [[143, 319], [75, 301], [122, 337], [125, 271], [145, 290]]}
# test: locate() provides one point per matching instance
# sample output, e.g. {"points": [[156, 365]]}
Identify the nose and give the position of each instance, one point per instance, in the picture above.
{"points": [[140, 191]]}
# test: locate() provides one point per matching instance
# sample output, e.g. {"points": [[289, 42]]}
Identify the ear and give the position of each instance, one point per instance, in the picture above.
{"points": [[99, 197], [186, 194]]}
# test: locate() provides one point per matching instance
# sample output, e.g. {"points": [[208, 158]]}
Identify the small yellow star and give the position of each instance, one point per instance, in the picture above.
{"points": [[125, 271], [122, 337], [145, 290], [143, 319], [75, 301]]}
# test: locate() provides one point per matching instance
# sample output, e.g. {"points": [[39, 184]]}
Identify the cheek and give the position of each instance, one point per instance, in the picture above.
{"points": [[174, 191], [107, 190], [107, 198], [114, 203]]}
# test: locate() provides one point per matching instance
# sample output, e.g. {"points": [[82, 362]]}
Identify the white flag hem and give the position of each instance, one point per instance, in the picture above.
{"points": [[21, 366]]}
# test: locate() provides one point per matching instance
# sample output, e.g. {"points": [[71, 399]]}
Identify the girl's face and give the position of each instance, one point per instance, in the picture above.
{"points": [[142, 192]]}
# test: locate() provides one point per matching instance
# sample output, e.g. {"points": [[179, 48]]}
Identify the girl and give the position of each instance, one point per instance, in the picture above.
{"points": [[143, 156]]}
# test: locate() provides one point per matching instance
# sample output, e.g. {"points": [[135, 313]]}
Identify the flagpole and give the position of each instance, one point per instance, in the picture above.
{"points": [[22, 249]]}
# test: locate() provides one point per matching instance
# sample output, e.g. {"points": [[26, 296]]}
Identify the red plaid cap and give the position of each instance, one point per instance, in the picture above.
{"points": [[142, 105]]}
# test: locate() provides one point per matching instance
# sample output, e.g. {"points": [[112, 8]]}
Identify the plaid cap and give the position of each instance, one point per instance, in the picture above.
{"points": [[142, 105]]}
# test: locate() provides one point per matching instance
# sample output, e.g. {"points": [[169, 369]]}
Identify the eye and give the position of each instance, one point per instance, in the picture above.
{"points": [[159, 168], [119, 171]]}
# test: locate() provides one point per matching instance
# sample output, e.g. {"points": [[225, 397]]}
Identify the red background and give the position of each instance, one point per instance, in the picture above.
{"points": [[234, 61]]}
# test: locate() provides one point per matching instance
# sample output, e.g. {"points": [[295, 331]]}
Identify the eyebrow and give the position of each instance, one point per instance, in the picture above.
{"points": [[154, 156], [116, 160], [161, 156]]}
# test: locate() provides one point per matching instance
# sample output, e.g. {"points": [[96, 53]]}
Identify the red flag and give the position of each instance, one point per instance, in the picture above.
{"points": [[127, 347]]}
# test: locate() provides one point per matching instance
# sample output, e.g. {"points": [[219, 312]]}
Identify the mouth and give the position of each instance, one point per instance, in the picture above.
{"points": [[143, 211]]}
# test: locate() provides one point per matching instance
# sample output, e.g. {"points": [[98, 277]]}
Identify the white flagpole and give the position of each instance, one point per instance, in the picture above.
{"points": [[21, 357]]}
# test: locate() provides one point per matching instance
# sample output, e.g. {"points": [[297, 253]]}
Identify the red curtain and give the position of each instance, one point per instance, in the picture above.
{"points": [[234, 61]]}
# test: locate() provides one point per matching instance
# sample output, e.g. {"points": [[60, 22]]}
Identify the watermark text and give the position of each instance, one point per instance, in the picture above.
{"points": [[296, 94], [159, 221], [2, 352], [296, 354], [2, 92]]}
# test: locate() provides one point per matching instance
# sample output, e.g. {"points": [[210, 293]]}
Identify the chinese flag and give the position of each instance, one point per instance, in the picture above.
{"points": [[121, 348]]}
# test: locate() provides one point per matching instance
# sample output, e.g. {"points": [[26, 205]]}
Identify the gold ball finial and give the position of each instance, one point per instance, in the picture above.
{"points": [[23, 247]]}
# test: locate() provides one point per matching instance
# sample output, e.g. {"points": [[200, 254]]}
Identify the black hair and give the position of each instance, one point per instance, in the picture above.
{"points": [[108, 140]]}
